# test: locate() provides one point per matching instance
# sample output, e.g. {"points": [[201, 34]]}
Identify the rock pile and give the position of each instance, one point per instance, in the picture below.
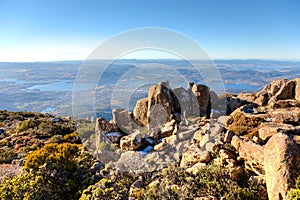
{"points": [[263, 130], [156, 118], [259, 134]]}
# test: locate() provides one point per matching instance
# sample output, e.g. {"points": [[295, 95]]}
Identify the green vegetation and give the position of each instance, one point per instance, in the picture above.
{"points": [[115, 186], [26, 131], [210, 180], [245, 125], [175, 183], [7, 155], [56, 155], [56, 171], [27, 124], [294, 194]]}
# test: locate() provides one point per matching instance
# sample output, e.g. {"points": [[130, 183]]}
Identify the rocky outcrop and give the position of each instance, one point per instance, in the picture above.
{"points": [[188, 102], [260, 135], [280, 89], [268, 129], [161, 105], [122, 119], [233, 103], [140, 111], [102, 128], [164, 104], [297, 89], [263, 129], [282, 162], [202, 94]]}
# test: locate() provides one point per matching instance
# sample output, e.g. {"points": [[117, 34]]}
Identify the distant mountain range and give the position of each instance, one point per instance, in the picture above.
{"points": [[47, 86]]}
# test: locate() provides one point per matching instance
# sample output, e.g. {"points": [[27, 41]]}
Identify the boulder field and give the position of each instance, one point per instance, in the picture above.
{"points": [[258, 132]]}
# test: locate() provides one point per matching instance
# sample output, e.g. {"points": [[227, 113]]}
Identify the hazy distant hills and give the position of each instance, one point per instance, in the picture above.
{"points": [[47, 86]]}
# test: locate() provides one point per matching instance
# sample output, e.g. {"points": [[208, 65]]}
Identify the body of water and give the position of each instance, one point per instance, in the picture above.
{"points": [[13, 80], [242, 87], [60, 85]]}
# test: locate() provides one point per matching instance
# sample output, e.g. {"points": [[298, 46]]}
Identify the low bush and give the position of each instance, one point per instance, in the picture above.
{"points": [[72, 138], [7, 155], [294, 194], [175, 183], [115, 186], [27, 124], [211, 180], [56, 171], [58, 155], [245, 125]]}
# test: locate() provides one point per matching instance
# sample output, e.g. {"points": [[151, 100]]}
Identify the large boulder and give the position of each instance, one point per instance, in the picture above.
{"points": [[268, 129], [287, 116], [233, 103], [281, 164], [214, 99], [140, 111], [203, 97], [253, 154], [122, 118], [193, 156], [286, 90], [102, 128], [130, 142], [188, 102], [286, 103], [279, 89], [161, 105], [297, 89]]}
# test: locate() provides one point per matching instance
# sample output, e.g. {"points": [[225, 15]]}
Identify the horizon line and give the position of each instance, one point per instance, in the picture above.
{"points": [[152, 59]]}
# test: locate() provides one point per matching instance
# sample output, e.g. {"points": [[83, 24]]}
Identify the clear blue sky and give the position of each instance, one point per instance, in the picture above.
{"points": [[37, 30]]}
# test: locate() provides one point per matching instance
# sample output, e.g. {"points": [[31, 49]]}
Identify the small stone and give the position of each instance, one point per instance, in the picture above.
{"points": [[98, 165], [226, 154], [205, 158], [210, 146], [219, 161], [231, 161], [198, 135], [166, 131], [236, 142], [160, 146], [224, 120], [216, 130], [130, 142], [256, 139], [257, 179], [195, 168], [170, 123], [114, 137], [175, 130], [205, 139], [228, 136]]}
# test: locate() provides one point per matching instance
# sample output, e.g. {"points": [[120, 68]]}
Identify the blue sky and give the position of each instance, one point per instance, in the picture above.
{"points": [[44, 30]]}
